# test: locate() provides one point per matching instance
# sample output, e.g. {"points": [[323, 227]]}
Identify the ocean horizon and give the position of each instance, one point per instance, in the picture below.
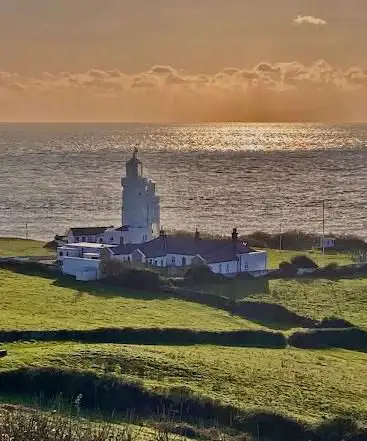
{"points": [[214, 176]]}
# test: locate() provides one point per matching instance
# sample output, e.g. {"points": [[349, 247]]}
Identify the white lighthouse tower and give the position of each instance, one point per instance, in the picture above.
{"points": [[140, 204]]}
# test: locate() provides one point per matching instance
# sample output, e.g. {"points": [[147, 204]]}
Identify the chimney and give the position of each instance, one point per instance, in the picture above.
{"points": [[234, 240], [235, 235], [197, 235]]}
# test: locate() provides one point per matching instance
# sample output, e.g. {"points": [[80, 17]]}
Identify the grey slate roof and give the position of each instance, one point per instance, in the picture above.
{"points": [[88, 231], [213, 251], [124, 249]]}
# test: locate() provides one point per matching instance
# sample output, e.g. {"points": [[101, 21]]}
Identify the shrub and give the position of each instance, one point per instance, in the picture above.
{"points": [[202, 274], [334, 323], [336, 430], [350, 338], [303, 262], [287, 269], [31, 425], [141, 280]]}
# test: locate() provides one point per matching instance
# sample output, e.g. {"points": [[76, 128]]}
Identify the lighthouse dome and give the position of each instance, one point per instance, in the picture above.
{"points": [[134, 166]]}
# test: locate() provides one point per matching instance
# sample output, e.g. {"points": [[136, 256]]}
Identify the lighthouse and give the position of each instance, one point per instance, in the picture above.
{"points": [[140, 204]]}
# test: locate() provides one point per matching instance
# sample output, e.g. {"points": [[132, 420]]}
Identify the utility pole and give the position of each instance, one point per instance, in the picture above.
{"points": [[281, 229], [26, 230], [323, 227]]}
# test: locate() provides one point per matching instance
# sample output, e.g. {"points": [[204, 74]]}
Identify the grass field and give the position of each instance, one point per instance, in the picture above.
{"points": [[309, 385], [321, 298], [275, 257], [22, 247], [36, 303]]}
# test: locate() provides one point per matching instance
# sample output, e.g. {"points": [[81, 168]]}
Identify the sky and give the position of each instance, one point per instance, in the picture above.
{"points": [[183, 60]]}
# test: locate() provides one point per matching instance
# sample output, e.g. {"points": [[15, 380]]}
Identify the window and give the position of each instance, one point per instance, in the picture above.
{"points": [[83, 239], [220, 268], [227, 268], [145, 238], [246, 265], [173, 260], [111, 239], [184, 261], [61, 254], [100, 239], [156, 263], [162, 263]]}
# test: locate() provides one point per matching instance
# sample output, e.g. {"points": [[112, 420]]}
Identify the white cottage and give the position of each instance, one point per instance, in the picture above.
{"points": [[228, 257]]}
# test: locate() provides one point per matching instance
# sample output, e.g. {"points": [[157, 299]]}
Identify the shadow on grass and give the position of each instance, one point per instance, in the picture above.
{"points": [[268, 315]]}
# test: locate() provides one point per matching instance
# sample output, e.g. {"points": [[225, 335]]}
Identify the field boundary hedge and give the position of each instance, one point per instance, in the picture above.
{"points": [[353, 339], [107, 393], [154, 336]]}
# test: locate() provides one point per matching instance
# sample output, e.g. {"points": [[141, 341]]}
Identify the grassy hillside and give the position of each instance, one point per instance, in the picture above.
{"points": [[309, 385], [31, 302], [23, 247], [321, 298]]}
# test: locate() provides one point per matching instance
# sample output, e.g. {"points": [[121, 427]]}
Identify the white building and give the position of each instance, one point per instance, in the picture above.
{"points": [[86, 234], [141, 240], [140, 212], [228, 257]]}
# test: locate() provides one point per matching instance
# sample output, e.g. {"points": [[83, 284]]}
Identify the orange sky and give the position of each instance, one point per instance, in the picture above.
{"points": [[183, 60]]}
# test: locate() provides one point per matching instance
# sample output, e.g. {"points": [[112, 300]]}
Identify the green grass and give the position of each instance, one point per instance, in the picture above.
{"points": [[321, 298], [305, 384], [22, 247], [275, 257], [36, 303]]}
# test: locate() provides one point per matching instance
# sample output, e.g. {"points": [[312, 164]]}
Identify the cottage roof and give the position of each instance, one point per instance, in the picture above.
{"points": [[121, 250], [88, 231], [212, 250], [123, 228]]}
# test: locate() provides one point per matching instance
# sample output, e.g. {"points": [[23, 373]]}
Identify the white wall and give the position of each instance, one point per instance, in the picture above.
{"points": [[133, 235], [63, 252], [123, 258], [224, 267], [176, 260], [74, 266], [160, 262], [256, 261], [84, 238]]}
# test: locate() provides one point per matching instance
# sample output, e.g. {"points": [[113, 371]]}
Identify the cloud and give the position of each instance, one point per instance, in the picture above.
{"points": [[309, 19], [283, 91]]}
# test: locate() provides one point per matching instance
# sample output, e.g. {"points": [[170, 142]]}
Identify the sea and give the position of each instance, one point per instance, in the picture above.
{"points": [[213, 177]]}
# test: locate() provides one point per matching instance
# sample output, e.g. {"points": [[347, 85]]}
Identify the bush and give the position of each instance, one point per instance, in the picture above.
{"points": [[202, 274], [351, 338], [334, 323], [287, 269], [34, 425], [141, 280], [336, 430], [303, 262]]}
